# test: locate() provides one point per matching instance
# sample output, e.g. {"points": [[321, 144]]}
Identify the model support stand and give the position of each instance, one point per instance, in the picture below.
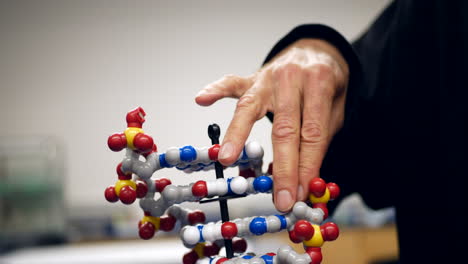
{"points": [[303, 223]]}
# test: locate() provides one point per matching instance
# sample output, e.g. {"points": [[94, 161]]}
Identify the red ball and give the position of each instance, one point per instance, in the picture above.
{"points": [[315, 254], [324, 208], [167, 223], [127, 195], [211, 250], [317, 187], [199, 189], [239, 245], [334, 190], [136, 117], [196, 217], [247, 173], [121, 174], [213, 152], [117, 142], [161, 184], [110, 194], [141, 189], [143, 143], [293, 237], [303, 230], [330, 231], [146, 230], [190, 258], [228, 230], [221, 260]]}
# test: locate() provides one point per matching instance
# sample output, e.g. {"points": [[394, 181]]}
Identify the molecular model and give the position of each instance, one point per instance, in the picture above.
{"points": [[162, 210]]}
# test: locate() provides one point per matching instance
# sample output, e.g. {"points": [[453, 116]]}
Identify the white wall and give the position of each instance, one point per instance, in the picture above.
{"points": [[73, 69]]}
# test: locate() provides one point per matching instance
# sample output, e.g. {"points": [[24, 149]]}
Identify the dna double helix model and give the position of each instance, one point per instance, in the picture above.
{"points": [[160, 200]]}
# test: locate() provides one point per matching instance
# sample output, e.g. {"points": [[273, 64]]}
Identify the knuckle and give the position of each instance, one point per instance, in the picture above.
{"points": [[284, 129], [311, 132], [322, 75], [245, 101], [287, 70], [249, 103], [321, 71]]}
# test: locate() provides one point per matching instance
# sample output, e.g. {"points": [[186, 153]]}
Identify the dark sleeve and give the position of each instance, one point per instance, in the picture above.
{"points": [[326, 33]]}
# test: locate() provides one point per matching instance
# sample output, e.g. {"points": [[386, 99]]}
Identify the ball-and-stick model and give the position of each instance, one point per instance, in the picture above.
{"points": [[160, 200]]}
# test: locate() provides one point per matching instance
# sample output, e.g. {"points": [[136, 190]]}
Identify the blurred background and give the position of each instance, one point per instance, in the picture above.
{"points": [[70, 71]]}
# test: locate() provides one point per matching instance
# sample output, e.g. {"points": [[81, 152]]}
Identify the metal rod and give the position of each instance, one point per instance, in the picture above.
{"points": [[222, 198], [213, 132]]}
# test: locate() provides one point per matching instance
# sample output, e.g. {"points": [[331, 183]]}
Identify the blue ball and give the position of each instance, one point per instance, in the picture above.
{"points": [[268, 259], [263, 184], [188, 154], [258, 226], [162, 161]]}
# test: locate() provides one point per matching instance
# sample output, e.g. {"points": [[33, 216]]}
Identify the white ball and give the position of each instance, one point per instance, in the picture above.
{"points": [[173, 156], [273, 224], [283, 253], [251, 188], [208, 232], [171, 194], [221, 186], [202, 156], [146, 203], [190, 235], [300, 210], [239, 185], [254, 150], [211, 187], [315, 215]]}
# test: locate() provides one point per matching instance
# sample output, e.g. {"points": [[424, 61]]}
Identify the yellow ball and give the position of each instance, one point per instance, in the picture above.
{"points": [[122, 183], [324, 199], [199, 249], [316, 240], [130, 134], [152, 219]]}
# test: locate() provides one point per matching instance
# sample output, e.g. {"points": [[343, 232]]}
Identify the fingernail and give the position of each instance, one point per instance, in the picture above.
{"points": [[225, 151], [284, 200], [300, 193]]}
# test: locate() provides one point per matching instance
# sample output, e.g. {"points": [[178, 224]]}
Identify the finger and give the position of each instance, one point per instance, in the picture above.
{"points": [[249, 109], [228, 86], [285, 136], [315, 136]]}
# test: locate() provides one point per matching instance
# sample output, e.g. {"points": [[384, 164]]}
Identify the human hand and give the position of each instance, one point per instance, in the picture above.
{"points": [[305, 87]]}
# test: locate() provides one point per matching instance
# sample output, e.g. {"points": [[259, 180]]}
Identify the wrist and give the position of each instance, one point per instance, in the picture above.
{"points": [[323, 46]]}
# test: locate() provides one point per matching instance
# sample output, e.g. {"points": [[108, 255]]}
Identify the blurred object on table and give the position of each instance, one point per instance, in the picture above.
{"points": [[353, 212], [31, 192]]}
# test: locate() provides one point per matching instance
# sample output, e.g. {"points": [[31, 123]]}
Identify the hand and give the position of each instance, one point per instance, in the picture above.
{"points": [[305, 87]]}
